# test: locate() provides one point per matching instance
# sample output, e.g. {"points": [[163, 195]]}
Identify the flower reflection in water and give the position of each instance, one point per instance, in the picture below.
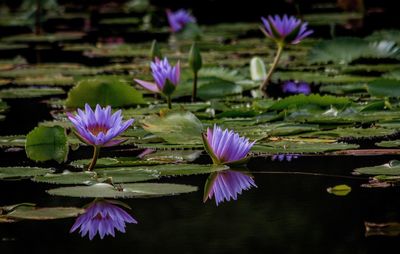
{"points": [[102, 217], [227, 185]]}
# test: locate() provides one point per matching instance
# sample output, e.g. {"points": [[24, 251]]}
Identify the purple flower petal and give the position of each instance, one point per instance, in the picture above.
{"points": [[102, 217], [98, 128], [285, 29], [227, 145]]}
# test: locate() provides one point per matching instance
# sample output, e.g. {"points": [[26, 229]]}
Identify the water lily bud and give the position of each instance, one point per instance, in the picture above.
{"points": [[155, 51], [257, 69], [195, 61]]}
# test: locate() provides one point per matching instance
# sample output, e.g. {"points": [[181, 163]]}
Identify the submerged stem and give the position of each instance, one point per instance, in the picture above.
{"points": [[265, 84], [169, 101], [194, 92], [96, 153]]}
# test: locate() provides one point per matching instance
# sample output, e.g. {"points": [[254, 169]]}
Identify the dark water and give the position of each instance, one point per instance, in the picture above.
{"points": [[285, 214]]}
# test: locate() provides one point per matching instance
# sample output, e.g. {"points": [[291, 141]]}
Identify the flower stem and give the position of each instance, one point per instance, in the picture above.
{"points": [[169, 101], [265, 84], [194, 92], [96, 153]]}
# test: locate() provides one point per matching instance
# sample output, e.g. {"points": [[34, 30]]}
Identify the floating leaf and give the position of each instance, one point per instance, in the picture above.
{"points": [[115, 162], [43, 213], [315, 99], [103, 90], [12, 141], [47, 143], [391, 168], [135, 190], [175, 127], [22, 172], [14, 93], [218, 89], [339, 190], [117, 175], [384, 88], [300, 147]]}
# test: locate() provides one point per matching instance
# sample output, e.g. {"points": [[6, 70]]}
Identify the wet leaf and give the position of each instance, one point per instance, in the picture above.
{"points": [[47, 143], [103, 90], [384, 88], [14, 93], [22, 172], [339, 190], [391, 168], [43, 213], [175, 127], [135, 190]]}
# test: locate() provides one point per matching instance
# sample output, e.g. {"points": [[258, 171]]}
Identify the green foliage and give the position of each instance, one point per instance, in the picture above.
{"points": [[314, 99], [384, 88], [17, 93], [346, 50], [175, 127], [391, 168], [47, 143], [103, 90], [31, 212], [134, 190], [22, 172]]}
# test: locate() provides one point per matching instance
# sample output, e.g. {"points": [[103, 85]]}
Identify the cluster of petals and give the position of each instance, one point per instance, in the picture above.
{"points": [[291, 87], [163, 72], [285, 29], [228, 184], [227, 146], [102, 217], [178, 19], [99, 127]]}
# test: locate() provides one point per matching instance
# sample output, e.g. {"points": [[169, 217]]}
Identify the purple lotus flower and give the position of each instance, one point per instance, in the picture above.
{"points": [[165, 76], [286, 29], [296, 88], [178, 19], [226, 146], [102, 217], [286, 157], [227, 185], [99, 127]]}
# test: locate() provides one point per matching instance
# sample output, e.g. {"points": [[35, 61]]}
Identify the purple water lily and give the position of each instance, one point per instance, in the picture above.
{"points": [[227, 185], [226, 146], [286, 157], [99, 127], [102, 217], [166, 78], [285, 29], [178, 19], [296, 87]]}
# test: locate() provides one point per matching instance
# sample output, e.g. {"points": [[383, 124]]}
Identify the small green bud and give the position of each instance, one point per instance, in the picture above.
{"points": [[195, 61], [155, 51]]}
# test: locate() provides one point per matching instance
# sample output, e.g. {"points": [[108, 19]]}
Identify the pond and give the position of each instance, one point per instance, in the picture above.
{"points": [[128, 125]]}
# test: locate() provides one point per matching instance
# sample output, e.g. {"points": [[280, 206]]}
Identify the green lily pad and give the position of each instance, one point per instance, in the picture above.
{"points": [[300, 147], [47, 143], [134, 190], [339, 190], [175, 127], [391, 168], [43, 213], [103, 90], [15, 93], [384, 88], [22, 172]]}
